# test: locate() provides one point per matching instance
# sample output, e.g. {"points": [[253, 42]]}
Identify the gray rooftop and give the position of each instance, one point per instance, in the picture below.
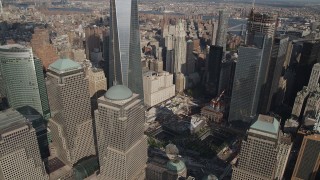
{"points": [[266, 125], [64, 65], [118, 93], [10, 117]]}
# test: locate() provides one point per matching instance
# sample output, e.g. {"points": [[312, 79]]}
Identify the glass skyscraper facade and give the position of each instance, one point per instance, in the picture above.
{"points": [[222, 29], [249, 79], [125, 54], [22, 79]]}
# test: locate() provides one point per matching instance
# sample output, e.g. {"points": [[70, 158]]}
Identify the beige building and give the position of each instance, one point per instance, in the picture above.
{"points": [[157, 87], [19, 150], [180, 82], [308, 162], [259, 155], [122, 144], [284, 149], [79, 55], [69, 100], [97, 81]]}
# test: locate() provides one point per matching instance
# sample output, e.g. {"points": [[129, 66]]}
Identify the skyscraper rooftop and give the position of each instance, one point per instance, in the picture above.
{"points": [[118, 92], [10, 118], [266, 125], [64, 65]]}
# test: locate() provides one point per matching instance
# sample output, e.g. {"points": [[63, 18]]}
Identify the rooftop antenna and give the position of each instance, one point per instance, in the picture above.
{"points": [[253, 3]]}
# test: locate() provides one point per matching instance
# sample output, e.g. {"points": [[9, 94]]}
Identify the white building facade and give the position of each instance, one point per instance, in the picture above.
{"points": [[157, 87]]}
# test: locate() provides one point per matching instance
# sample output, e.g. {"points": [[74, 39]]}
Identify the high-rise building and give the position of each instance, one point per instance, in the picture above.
{"points": [[71, 122], [39, 124], [94, 37], [222, 29], [277, 59], [180, 82], [97, 82], [157, 87], [190, 58], [214, 32], [250, 76], [122, 144], [22, 79], [226, 77], [310, 55], [308, 162], [19, 151], [214, 68], [125, 53], [259, 155], [314, 80], [180, 49], [260, 23]]}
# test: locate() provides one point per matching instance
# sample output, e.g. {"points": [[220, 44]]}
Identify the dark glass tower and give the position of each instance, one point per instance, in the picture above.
{"points": [[125, 56]]}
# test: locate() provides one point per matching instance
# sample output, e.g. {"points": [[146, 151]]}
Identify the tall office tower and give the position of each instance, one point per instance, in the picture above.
{"points": [[22, 79], [214, 32], [307, 99], [310, 55], [97, 82], [214, 68], [283, 148], [158, 66], [180, 82], [222, 29], [125, 53], [121, 143], [228, 69], [20, 156], [105, 51], [308, 162], [40, 126], [180, 49], [190, 58], [278, 57], [69, 99], [250, 75], [94, 36], [258, 154], [314, 80], [261, 23]]}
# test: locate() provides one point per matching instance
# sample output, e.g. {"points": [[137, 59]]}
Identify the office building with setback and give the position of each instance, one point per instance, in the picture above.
{"points": [[71, 122], [19, 151], [308, 162], [122, 144], [22, 79], [125, 52], [263, 153]]}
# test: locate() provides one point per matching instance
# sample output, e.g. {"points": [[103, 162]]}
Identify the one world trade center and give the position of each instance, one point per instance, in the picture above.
{"points": [[125, 56]]}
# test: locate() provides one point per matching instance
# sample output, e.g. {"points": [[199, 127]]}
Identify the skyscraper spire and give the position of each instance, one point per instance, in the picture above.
{"points": [[253, 3]]}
